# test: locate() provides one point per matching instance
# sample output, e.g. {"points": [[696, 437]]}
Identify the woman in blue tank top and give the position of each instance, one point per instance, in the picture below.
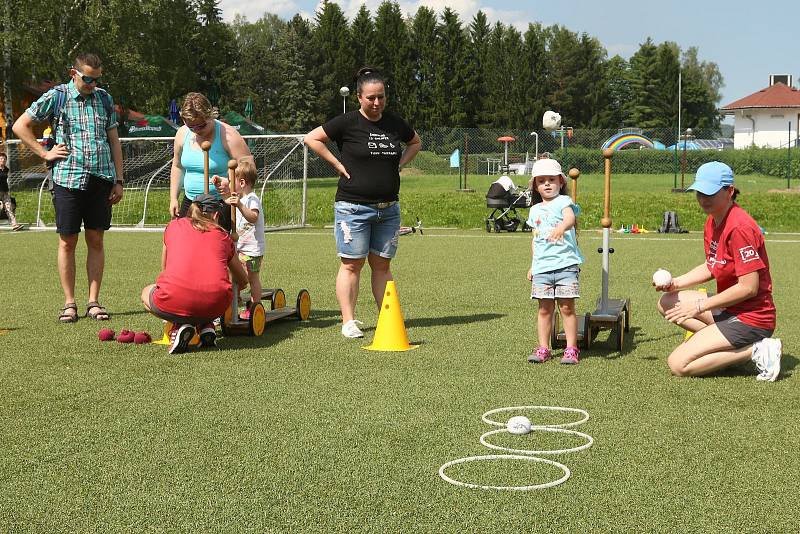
{"points": [[200, 125]]}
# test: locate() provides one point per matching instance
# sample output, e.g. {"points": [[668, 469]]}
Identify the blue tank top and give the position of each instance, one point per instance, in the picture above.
{"points": [[192, 163]]}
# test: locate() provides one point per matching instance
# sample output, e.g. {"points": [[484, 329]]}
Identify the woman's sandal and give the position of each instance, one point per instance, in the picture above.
{"points": [[99, 315], [69, 313]]}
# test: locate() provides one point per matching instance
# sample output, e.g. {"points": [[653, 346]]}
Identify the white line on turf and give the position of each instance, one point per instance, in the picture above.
{"points": [[522, 454]]}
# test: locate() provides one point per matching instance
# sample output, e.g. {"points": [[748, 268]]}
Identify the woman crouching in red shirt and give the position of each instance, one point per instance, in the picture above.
{"points": [[734, 325], [194, 287]]}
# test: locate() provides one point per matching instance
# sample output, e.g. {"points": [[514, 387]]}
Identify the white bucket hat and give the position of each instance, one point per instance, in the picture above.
{"points": [[547, 167]]}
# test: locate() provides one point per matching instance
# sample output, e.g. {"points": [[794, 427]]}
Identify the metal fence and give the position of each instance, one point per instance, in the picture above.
{"points": [[482, 152], [282, 171]]}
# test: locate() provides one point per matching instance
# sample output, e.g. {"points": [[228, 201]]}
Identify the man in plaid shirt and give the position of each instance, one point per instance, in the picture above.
{"points": [[87, 173]]}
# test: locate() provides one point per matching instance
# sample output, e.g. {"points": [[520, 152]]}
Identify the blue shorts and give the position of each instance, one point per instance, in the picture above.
{"points": [[364, 228], [558, 284]]}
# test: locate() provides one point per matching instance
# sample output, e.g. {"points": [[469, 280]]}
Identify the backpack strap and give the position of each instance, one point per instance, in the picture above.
{"points": [[61, 98]]}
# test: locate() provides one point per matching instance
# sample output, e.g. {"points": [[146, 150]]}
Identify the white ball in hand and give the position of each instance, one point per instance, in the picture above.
{"points": [[662, 278], [519, 425]]}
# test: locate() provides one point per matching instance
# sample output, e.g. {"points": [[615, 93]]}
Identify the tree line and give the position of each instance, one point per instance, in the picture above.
{"points": [[441, 70]]}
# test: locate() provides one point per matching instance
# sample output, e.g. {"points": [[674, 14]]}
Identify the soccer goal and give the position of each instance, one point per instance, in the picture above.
{"points": [[282, 162]]}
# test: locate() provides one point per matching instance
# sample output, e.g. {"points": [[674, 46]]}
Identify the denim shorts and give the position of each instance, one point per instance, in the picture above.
{"points": [[738, 333], [364, 228], [558, 284]]}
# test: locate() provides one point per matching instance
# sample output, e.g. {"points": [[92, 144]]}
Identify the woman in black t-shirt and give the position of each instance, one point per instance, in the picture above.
{"points": [[366, 212]]}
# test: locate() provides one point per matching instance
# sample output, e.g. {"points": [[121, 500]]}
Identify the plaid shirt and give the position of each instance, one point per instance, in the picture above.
{"points": [[82, 127]]}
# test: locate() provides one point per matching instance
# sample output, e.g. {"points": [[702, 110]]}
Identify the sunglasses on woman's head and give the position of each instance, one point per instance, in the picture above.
{"points": [[87, 79]]}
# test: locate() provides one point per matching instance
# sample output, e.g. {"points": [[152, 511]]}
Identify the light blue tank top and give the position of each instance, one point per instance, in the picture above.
{"points": [[192, 163]]}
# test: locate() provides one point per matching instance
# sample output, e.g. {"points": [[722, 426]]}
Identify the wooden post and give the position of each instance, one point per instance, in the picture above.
{"points": [[605, 222], [574, 174], [232, 164], [205, 146]]}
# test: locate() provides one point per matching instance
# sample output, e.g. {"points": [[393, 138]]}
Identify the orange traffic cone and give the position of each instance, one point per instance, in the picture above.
{"points": [[390, 334]]}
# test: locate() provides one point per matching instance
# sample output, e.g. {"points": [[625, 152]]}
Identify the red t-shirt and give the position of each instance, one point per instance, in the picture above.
{"points": [[733, 249], [195, 281]]}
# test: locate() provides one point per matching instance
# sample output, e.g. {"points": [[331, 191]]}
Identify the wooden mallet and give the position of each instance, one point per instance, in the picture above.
{"points": [[205, 146], [232, 164], [574, 174]]}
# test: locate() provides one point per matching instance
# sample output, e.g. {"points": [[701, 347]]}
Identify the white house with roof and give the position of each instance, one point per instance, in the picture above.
{"points": [[765, 118]]}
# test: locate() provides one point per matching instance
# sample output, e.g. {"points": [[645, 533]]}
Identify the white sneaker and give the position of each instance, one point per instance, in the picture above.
{"points": [[351, 329], [767, 357], [180, 337]]}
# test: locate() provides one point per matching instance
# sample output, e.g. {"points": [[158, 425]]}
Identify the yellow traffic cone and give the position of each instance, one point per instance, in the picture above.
{"points": [[689, 334], [390, 334], [165, 338]]}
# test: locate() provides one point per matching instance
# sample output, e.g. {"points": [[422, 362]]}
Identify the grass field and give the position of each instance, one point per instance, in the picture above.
{"points": [[301, 430]]}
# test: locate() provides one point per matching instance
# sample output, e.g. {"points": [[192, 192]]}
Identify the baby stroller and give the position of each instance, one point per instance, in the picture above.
{"points": [[504, 198]]}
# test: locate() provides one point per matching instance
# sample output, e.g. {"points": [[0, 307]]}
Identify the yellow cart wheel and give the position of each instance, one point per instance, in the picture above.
{"points": [[258, 319], [225, 322], [278, 299], [303, 309]]}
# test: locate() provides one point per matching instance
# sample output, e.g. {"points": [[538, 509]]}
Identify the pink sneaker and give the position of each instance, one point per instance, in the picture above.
{"points": [[540, 355], [245, 315], [571, 356]]}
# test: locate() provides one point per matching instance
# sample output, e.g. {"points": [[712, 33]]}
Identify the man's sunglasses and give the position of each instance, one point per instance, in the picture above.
{"points": [[87, 79]]}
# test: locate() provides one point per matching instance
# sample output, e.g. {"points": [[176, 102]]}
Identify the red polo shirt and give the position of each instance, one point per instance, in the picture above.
{"points": [[733, 249], [195, 281]]}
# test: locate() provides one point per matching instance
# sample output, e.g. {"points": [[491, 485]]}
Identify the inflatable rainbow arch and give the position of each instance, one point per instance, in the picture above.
{"points": [[621, 140]]}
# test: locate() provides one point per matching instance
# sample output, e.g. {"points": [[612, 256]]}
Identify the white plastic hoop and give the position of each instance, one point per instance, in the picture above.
{"points": [[587, 437], [468, 459], [485, 417]]}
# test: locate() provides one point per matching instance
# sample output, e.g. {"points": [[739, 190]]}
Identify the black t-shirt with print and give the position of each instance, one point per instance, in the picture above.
{"points": [[370, 151]]}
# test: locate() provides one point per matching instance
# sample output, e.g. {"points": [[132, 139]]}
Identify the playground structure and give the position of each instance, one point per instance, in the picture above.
{"points": [[623, 140], [610, 314]]}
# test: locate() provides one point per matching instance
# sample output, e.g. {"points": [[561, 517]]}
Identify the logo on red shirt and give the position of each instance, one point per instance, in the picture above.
{"points": [[748, 254]]}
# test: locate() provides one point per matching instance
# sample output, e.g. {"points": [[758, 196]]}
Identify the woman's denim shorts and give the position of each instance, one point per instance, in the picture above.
{"points": [[364, 228]]}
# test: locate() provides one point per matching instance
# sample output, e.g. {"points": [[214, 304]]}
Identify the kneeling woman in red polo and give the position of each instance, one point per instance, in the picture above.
{"points": [[194, 287]]}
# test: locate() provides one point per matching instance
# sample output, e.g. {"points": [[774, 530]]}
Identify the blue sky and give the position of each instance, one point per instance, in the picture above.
{"points": [[747, 40]]}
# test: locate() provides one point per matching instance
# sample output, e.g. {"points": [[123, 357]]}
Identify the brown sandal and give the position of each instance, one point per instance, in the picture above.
{"points": [[69, 313], [99, 315]]}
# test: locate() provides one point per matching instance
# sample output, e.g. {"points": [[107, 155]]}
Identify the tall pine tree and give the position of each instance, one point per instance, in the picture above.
{"points": [[393, 57], [333, 60], [423, 45]]}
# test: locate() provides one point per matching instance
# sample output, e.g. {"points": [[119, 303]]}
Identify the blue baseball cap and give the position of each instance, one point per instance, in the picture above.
{"points": [[711, 177]]}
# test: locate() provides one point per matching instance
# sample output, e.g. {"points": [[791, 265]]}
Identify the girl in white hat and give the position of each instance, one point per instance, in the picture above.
{"points": [[556, 258]]}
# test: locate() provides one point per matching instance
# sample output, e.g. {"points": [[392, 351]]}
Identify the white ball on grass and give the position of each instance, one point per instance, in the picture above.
{"points": [[519, 425], [662, 278]]}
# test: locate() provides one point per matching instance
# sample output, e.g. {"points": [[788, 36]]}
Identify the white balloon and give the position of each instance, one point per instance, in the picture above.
{"points": [[551, 120], [662, 278], [519, 425]]}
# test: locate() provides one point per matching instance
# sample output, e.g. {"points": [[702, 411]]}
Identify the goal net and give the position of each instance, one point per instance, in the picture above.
{"points": [[282, 162]]}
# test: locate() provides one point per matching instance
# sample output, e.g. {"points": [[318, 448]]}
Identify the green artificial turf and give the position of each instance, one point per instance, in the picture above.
{"points": [[302, 430]]}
